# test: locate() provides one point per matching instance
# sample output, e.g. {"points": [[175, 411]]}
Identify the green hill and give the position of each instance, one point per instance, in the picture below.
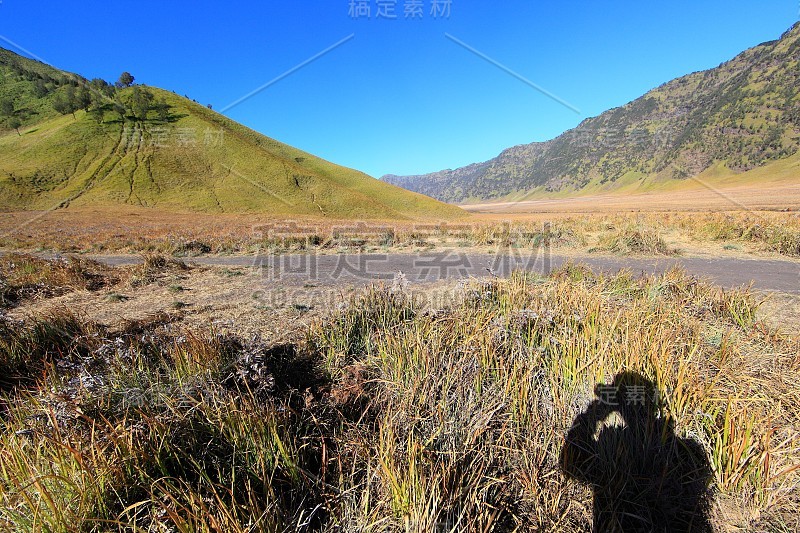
{"points": [[170, 153], [740, 116]]}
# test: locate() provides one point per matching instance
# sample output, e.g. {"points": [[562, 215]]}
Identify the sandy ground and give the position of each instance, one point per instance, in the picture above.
{"points": [[750, 198]]}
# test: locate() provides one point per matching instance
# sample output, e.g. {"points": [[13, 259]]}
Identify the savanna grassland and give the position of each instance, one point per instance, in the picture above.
{"points": [[131, 231], [386, 412]]}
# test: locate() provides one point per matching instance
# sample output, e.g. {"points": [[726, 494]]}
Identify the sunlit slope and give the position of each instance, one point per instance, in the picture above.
{"points": [[194, 160]]}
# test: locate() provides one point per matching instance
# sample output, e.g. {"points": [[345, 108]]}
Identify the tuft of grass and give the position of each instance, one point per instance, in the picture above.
{"points": [[191, 249], [26, 353], [232, 272], [775, 234], [153, 268], [635, 240], [25, 276]]}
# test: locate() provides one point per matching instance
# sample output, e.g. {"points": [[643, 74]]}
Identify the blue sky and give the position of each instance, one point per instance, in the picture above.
{"points": [[398, 96]]}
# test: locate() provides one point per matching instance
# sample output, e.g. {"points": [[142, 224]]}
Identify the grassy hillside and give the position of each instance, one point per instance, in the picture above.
{"points": [[740, 116], [31, 87], [184, 158]]}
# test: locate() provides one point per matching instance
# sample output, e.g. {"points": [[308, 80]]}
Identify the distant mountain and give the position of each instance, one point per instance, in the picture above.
{"points": [[741, 115], [142, 146]]}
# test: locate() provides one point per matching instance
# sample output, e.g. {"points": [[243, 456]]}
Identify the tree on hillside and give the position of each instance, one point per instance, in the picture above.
{"points": [[119, 108], [40, 88], [98, 84], [60, 104], [98, 100], [14, 123], [72, 100], [98, 114], [162, 110], [125, 79], [101, 87], [83, 98], [140, 102], [66, 102]]}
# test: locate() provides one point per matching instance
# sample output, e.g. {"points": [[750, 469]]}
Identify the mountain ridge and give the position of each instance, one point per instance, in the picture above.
{"points": [[743, 114]]}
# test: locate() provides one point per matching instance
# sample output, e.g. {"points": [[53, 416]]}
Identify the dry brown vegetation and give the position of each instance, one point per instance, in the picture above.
{"points": [[27, 277], [772, 233], [24, 276], [765, 193], [387, 414]]}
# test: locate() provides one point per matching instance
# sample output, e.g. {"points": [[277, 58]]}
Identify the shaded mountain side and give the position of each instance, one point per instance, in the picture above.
{"points": [[168, 153], [742, 115]]}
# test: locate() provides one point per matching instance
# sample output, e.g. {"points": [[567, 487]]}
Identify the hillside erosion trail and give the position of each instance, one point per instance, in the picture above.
{"points": [[775, 275], [102, 170]]}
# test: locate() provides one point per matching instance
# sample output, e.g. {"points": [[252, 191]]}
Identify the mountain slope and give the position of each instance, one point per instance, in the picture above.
{"points": [[182, 158], [741, 115]]}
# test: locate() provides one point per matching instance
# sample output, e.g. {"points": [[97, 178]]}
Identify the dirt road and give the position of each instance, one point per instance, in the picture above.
{"points": [[326, 270]]}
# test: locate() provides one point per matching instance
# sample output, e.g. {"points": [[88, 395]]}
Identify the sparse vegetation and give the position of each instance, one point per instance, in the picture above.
{"points": [[28, 277], [627, 234], [779, 236], [154, 267]]}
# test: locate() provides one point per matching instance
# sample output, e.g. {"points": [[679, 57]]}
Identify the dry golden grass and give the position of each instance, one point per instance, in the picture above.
{"points": [[392, 415], [763, 232], [27, 277]]}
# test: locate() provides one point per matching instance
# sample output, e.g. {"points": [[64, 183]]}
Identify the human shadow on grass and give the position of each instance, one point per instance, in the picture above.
{"points": [[644, 477]]}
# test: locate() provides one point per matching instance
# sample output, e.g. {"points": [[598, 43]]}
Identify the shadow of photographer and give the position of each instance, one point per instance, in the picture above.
{"points": [[644, 477]]}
